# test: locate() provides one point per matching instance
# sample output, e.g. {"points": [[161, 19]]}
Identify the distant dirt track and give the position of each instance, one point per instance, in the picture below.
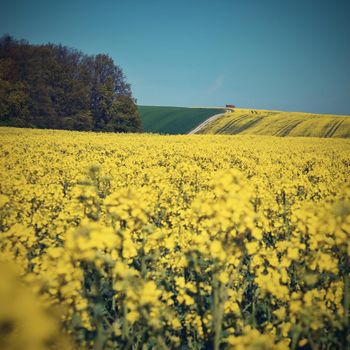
{"points": [[202, 125]]}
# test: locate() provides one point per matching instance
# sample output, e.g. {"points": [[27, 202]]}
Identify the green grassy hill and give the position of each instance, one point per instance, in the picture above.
{"points": [[277, 123], [174, 120]]}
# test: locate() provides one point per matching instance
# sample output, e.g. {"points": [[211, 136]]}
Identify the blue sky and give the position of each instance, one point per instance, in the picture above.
{"points": [[274, 54]]}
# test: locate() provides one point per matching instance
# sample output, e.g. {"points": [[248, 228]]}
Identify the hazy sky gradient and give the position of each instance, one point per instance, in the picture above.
{"points": [[274, 54]]}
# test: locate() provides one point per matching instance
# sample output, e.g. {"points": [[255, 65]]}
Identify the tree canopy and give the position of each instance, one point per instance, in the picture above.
{"points": [[53, 86]]}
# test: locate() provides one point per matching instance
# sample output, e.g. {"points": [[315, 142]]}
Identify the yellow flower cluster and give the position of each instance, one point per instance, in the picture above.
{"points": [[25, 320], [165, 242]]}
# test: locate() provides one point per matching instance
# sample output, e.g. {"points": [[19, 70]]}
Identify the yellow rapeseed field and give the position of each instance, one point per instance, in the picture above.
{"points": [[173, 242], [278, 123]]}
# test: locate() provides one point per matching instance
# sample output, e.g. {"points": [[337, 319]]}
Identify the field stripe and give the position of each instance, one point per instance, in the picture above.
{"points": [[202, 125]]}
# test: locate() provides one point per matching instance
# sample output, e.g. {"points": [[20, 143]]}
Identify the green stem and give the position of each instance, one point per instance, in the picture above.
{"points": [[346, 303], [218, 313], [295, 336], [100, 338], [125, 327], [312, 344]]}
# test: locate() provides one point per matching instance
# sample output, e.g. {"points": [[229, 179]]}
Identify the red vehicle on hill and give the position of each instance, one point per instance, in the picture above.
{"points": [[230, 106]]}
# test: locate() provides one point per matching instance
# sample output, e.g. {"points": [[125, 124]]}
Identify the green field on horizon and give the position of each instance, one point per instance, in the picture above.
{"points": [[174, 120]]}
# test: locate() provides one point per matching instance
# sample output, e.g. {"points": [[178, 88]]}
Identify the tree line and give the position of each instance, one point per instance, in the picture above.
{"points": [[53, 86]]}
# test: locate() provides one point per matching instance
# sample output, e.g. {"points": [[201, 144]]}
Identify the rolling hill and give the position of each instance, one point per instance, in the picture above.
{"points": [[277, 123], [174, 120]]}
